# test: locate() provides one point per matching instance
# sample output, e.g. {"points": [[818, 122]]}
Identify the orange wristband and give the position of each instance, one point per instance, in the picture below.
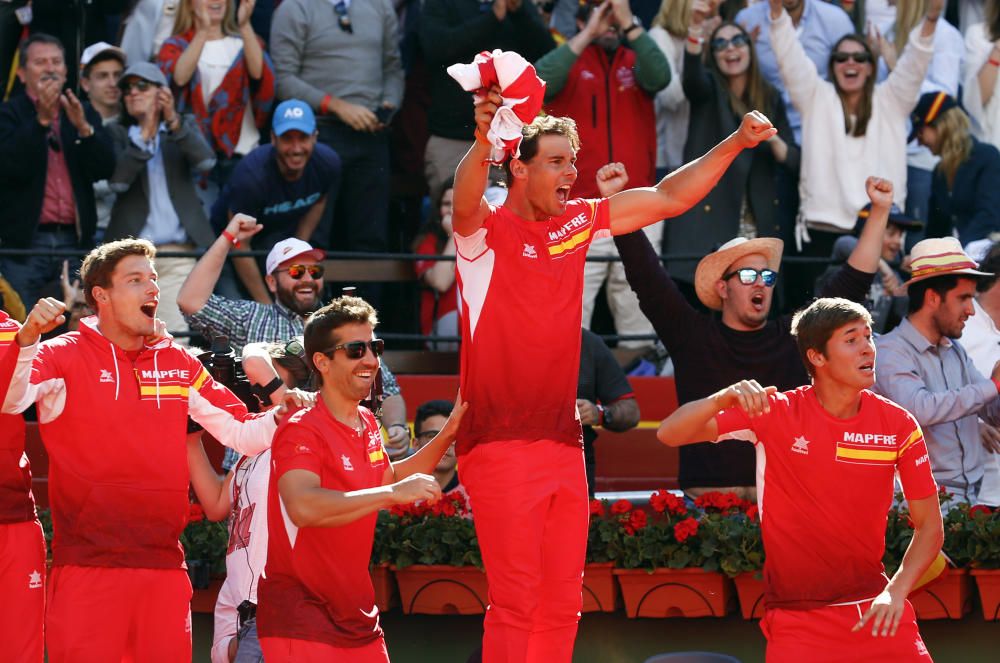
{"points": [[994, 62], [481, 138], [231, 238]]}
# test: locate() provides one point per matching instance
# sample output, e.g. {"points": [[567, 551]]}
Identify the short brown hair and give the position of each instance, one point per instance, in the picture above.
{"points": [[813, 326], [321, 325], [101, 262], [543, 125]]}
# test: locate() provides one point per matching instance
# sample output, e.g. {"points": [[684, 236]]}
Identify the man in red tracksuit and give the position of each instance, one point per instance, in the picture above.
{"points": [[113, 412], [22, 546]]}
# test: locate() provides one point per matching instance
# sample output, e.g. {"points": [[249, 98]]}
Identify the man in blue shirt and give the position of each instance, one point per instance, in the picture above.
{"points": [[284, 185]]}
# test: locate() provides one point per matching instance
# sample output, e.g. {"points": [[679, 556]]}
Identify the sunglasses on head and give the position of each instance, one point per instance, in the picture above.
{"points": [[356, 349], [748, 276], [294, 348], [343, 19], [139, 84], [298, 271], [736, 41], [861, 57]]}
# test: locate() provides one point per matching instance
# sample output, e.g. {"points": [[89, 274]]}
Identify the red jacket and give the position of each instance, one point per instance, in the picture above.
{"points": [[614, 116], [115, 431], [16, 502]]}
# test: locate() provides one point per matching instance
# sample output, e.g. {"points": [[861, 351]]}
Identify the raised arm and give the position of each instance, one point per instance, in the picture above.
{"points": [[470, 208], [798, 72], [211, 489], [695, 421], [426, 458], [868, 250], [201, 281]]}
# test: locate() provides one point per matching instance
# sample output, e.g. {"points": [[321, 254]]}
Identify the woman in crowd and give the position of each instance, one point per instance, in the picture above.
{"points": [[669, 31], [982, 63], [439, 300], [965, 192], [846, 121], [217, 66], [721, 88]]}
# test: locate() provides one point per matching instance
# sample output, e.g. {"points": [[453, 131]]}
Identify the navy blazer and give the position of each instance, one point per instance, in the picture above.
{"points": [[972, 207]]}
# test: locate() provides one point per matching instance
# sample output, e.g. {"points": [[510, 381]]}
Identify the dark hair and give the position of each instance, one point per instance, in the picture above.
{"points": [[758, 93], [939, 284], [991, 15], [867, 94], [990, 264], [428, 410], [543, 125], [101, 262], [294, 364], [318, 334], [813, 326], [433, 225], [37, 38]]}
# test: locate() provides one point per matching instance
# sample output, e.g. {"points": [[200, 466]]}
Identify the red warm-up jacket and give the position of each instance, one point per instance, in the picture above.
{"points": [[16, 502]]}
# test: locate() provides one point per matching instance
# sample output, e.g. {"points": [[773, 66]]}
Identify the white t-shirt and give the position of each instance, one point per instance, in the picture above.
{"points": [[216, 57], [981, 340]]}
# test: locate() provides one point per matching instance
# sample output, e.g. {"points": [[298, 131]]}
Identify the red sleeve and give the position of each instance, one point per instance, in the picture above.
{"points": [[602, 214], [735, 423], [912, 462], [296, 447]]}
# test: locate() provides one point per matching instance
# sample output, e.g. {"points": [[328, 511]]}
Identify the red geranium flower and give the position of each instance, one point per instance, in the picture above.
{"points": [[752, 512], [664, 500], [597, 508], [685, 529], [980, 508], [718, 501], [621, 506], [635, 522]]}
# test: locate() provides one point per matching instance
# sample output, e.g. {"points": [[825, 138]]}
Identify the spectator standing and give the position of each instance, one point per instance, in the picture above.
{"points": [[669, 31], [217, 67], [721, 87], [965, 199], [439, 299], [982, 62], [158, 152], [52, 150], [925, 369], [284, 185], [342, 58], [148, 25], [101, 68], [455, 31], [75, 23], [605, 77]]}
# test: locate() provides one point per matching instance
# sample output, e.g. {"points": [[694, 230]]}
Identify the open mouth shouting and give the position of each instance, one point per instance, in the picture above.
{"points": [[757, 300], [149, 309], [562, 194]]}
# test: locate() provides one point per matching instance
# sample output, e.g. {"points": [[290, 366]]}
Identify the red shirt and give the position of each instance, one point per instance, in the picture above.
{"points": [[521, 284], [433, 305], [825, 486], [316, 584], [58, 204], [16, 502]]}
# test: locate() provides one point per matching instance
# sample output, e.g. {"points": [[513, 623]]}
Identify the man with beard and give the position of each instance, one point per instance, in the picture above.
{"points": [[605, 78], [922, 367], [284, 185]]}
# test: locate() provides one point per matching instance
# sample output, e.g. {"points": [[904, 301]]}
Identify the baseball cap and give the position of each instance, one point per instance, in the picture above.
{"points": [[101, 47], [896, 217], [293, 114], [290, 248], [146, 71], [928, 109]]}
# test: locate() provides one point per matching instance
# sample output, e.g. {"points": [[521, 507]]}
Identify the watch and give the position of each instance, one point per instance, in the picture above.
{"points": [[636, 23], [264, 392]]}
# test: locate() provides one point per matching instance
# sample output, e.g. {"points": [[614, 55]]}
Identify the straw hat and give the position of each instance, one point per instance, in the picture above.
{"points": [[940, 256], [714, 265]]}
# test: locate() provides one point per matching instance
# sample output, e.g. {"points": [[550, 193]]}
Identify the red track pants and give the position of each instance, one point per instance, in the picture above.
{"points": [[22, 591], [529, 501], [290, 650], [118, 614]]}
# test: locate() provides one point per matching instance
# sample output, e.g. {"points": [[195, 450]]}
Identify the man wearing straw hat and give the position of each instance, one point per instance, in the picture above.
{"points": [[923, 368]]}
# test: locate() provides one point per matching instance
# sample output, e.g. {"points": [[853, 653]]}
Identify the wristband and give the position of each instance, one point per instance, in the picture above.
{"points": [[996, 383], [601, 415], [697, 41], [480, 138], [264, 392], [231, 238], [324, 106], [994, 62]]}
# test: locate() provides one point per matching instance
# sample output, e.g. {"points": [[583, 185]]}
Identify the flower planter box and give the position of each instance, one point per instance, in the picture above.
{"points": [[675, 593], [988, 581], [600, 591], [750, 590], [947, 598], [442, 590], [386, 595]]}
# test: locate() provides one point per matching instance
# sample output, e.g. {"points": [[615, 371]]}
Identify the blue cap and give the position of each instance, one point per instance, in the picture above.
{"points": [[293, 114]]}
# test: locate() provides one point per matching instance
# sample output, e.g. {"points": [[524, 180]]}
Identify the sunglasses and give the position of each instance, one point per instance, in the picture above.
{"points": [[356, 349], [298, 271], [748, 276], [140, 85], [736, 41], [343, 19], [860, 57], [294, 348], [53, 142]]}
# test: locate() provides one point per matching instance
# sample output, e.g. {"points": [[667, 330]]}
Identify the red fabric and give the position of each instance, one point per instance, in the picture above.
{"points": [[600, 105], [118, 473], [823, 635], [287, 650], [58, 203], [98, 614], [531, 514], [826, 490], [306, 592], [17, 504], [221, 120], [446, 301], [522, 292], [22, 586]]}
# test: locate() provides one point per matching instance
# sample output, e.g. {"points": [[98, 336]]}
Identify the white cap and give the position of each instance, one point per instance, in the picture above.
{"points": [[290, 248], [94, 50]]}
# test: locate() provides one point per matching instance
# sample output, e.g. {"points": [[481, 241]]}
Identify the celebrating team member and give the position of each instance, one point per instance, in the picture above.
{"points": [[833, 449], [329, 476], [113, 411], [520, 269]]}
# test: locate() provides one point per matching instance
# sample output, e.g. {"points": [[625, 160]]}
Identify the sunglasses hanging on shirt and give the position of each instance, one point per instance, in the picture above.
{"points": [[343, 18]]}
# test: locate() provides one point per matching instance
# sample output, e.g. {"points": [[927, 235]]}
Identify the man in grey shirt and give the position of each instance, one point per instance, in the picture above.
{"points": [[342, 58], [920, 366]]}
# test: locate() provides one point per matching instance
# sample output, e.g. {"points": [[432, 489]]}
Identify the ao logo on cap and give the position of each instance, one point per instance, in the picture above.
{"points": [[294, 111]]}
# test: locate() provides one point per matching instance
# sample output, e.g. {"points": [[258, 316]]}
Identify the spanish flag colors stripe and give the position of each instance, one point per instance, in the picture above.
{"points": [[163, 390], [570, 243], [916, 436], [7, 336], [200, 380], [932, 113], [867, 455], [376, 456]]}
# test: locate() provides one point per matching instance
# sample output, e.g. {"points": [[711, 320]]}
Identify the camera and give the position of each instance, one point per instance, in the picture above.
{"points": [[227, 369]]}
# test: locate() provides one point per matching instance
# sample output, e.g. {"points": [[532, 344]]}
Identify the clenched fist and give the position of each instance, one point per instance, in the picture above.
{"points": [[754, 129]]}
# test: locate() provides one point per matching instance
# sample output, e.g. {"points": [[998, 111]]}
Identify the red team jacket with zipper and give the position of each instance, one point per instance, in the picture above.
{"points": [[16, 503]]}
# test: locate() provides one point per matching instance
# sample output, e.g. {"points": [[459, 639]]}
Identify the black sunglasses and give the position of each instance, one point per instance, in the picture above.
{"points": [[736, 41], [861, 57], [53, 142], [426, 436], [748, 276], [140, 84], [298, 271], [356, 349], [343, 19], [294, 348]]}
